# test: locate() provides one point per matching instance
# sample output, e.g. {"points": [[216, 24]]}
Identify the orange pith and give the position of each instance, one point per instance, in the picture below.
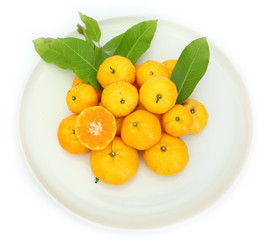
{"points": [[95, 127]]}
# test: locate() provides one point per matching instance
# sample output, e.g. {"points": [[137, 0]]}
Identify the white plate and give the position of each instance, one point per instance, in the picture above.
{"points": [[217, 154]]}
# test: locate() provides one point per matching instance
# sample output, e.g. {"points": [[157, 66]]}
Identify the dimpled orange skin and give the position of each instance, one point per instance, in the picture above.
{"points": [[77, 80], [177, 121], [141, 107], [141, 130], [121, 98], [158, 86], [116, 69], [170, 64], [198, 113], [150, 69], [116, 164], [81, 96], [168, 157], [67, 136]]}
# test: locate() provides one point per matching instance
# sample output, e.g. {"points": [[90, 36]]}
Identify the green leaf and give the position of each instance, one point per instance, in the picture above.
{"points": [[190, 68], [96, 180], [137, 40], [81, 56], [113, 43], [85, 59], [92, 28], [82, 30], [50, 50]]}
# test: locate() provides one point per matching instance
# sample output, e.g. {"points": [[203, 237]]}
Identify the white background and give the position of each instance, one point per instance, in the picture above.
{"points": [[241, 29]]}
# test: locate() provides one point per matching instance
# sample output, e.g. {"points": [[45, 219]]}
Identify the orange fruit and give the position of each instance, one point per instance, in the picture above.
{"points": [[135, 84], [170, 64], [168, 157], [81, 96], [141, 107], [115, 69], [67, 137], [121, 98], [95, 127], [136, 66], [158, 94], [100, 104], [119, 122], [77, 80], [150, 69], [177, 121], [141, 130], [198, 113], [116, 164]]}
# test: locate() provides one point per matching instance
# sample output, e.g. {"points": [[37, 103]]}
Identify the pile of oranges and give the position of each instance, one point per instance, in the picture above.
{"points": [[136, 111]]}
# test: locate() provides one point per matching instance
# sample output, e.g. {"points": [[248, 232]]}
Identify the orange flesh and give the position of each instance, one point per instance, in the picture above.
{"points": [[96, 127]]}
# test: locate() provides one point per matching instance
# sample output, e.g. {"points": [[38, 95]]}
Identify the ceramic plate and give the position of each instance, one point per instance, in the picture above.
{"points": [[217, 154]]}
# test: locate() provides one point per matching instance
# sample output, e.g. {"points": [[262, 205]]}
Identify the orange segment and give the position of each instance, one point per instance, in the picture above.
{"points": [[96, 127]]}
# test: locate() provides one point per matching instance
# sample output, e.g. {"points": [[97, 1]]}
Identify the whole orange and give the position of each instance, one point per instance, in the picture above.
{"points": [[67, 137], [198, 113], [168, 157], [141, 130], [150, 69], [177, 121], [116, 164], [81, 96], [115, 69], [158, 94]]}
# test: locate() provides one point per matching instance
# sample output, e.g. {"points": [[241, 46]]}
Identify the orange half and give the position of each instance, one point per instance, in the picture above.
{"points": [[95, 127]]}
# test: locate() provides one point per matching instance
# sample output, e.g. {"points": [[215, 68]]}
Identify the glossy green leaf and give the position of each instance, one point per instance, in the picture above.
{"points": [[51, 51], [136, 40], [92, 29], [113, 43], [190, 68], [81, 56], [82, 30]]}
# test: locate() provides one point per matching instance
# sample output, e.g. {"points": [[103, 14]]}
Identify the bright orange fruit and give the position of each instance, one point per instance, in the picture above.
{"points": [[119, 122], [115, 69], [158, 94], [168, 157], [177, 121], [67, 136], [116, 164], [198, 113], [81, 96], [141, 130], [120, 98], [170, 64], [95, 127], [150, 69], [77, 80]]}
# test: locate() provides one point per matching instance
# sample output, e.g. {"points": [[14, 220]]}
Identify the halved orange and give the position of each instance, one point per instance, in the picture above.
{"points": [[95, 127]]}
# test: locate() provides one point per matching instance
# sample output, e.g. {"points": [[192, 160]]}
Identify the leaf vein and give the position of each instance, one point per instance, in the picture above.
{"points": [[85, 60]]}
